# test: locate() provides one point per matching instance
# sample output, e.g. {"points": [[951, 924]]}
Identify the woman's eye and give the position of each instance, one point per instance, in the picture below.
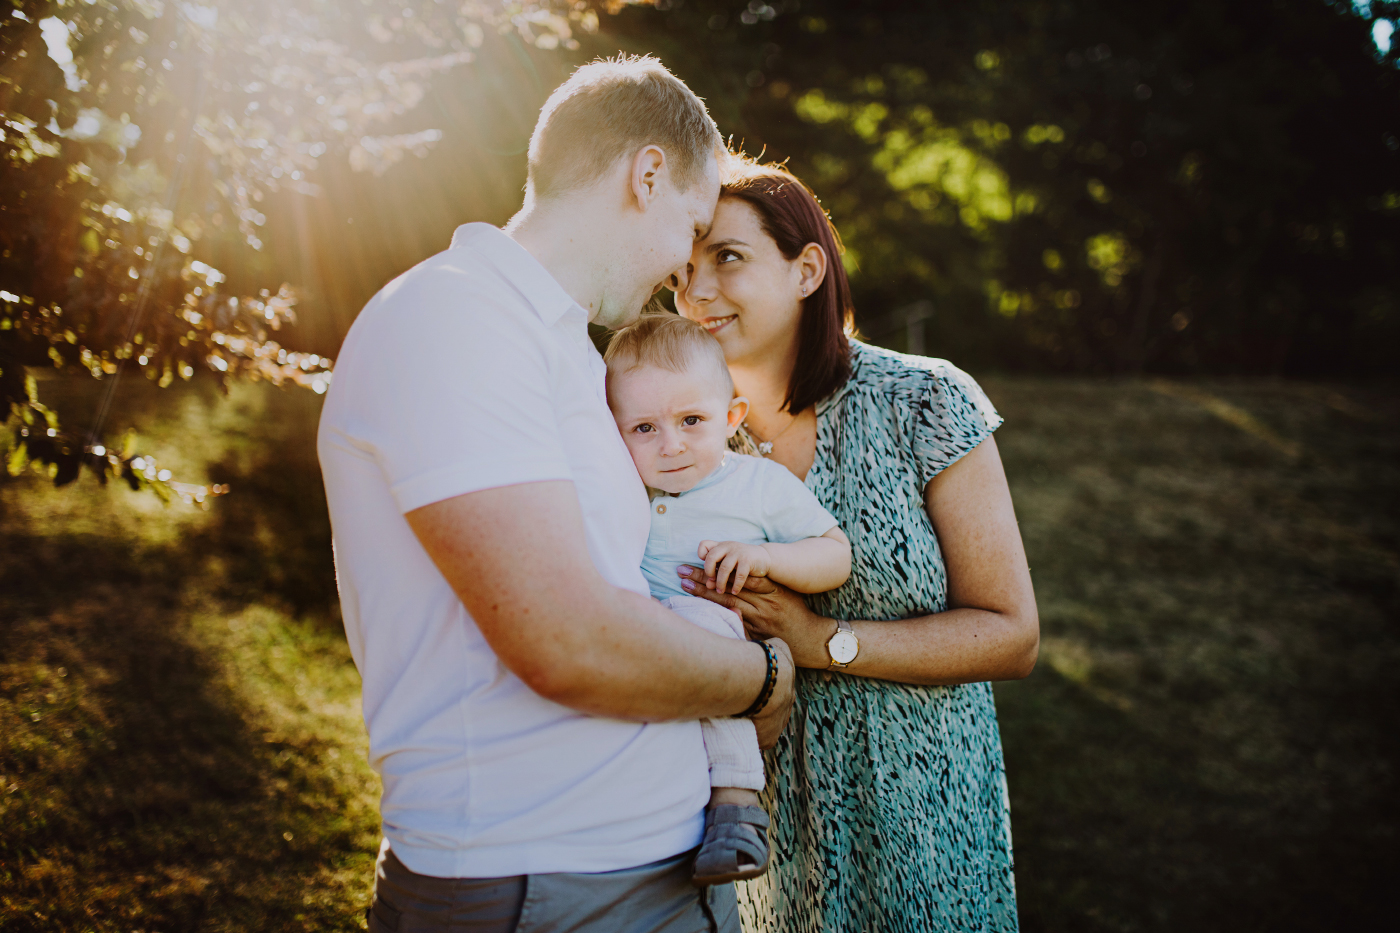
{"points": [[726, 255], [691, 420]]}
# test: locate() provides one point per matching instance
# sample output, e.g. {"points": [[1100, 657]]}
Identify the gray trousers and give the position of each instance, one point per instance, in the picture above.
{"points": [[654, 898]]}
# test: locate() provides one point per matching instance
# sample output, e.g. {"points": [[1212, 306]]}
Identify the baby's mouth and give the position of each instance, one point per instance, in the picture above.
{"points": [[714, 324]]}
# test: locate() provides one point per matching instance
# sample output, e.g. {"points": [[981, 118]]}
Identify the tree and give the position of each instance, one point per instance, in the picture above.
{"points": [[140, 135], [1089, 186]]}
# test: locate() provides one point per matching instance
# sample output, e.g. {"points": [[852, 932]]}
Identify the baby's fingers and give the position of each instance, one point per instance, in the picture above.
{"points": [[712, 558], [741, 574], [704, 548], [726, 568]]}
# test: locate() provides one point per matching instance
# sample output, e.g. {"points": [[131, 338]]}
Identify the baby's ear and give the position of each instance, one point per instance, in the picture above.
{"points": [[738, 411]]}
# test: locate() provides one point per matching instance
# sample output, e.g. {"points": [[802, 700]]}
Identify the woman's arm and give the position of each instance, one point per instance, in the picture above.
{"points": [[991, 630]]}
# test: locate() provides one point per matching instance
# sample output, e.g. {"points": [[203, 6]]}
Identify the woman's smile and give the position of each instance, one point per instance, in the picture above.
{"points": [[715, 324]]}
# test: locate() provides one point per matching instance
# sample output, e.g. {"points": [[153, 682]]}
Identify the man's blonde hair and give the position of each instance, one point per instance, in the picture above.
{"points": [[613, 107], [668, 341]]}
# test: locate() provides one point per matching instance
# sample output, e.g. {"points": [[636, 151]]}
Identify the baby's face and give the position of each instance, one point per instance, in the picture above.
{"points": [[676, 425]]}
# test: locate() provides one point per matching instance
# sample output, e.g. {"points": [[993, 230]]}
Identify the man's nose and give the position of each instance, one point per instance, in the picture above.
{"points": [[680, 279]]}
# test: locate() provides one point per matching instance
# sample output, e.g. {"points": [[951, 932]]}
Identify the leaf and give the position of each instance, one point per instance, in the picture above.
{"points": [[18, 459]]}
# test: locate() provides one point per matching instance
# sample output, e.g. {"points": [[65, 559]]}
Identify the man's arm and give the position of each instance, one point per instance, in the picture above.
{"points": [[517, 558]]}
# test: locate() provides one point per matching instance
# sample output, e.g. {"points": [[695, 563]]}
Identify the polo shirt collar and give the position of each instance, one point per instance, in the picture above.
{"points": [[519, 268]]}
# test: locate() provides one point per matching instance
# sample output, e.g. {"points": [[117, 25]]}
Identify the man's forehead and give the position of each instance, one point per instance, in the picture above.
{"points": [[706, 199]]}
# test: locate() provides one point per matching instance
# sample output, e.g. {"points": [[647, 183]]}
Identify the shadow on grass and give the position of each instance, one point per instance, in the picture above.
{"points": [[180, 745]]}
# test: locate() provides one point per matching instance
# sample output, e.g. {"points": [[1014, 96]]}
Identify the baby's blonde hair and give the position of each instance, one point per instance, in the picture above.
{"points": [[670, 342]]}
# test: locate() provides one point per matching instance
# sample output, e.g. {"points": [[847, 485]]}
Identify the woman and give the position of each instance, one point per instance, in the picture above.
{"points": [[888, 791]]}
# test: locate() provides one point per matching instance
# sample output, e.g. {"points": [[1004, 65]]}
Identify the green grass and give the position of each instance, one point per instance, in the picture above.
{"points": [[180, 734], [1206, 744]]}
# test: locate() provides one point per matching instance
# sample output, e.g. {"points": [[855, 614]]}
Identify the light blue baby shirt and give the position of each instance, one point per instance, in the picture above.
{"points": [[746, 499]]}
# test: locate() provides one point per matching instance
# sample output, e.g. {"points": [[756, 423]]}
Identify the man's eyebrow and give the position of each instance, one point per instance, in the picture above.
{"points": [[721, 244]]}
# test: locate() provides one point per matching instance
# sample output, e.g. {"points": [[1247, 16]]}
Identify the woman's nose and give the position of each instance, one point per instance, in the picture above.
{"points": [[698, 287]]}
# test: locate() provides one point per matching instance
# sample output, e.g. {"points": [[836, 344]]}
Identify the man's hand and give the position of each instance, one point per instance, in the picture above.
{"points": [[772, 719], [725, 558]]}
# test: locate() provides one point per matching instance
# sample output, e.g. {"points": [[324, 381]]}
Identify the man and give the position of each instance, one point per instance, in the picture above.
{"points": [[532, 712]]}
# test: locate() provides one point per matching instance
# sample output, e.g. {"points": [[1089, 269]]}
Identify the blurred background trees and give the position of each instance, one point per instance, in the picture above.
{"points": [[1175, 187], [144, 146], [1169, 185]]}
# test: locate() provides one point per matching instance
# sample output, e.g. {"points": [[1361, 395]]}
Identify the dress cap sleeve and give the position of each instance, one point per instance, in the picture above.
{"points": [[951, 416]]}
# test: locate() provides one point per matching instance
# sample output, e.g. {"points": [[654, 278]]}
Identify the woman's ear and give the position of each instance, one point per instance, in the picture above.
{"points": [[811, 267], [738, 411]]}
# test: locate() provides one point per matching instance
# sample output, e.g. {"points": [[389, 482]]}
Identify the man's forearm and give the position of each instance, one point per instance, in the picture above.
{"points": [[517, 558], [628, 657]]}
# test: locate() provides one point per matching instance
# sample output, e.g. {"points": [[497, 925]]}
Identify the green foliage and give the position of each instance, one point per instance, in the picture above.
{"points": [[1082, 185], [141, 145]]}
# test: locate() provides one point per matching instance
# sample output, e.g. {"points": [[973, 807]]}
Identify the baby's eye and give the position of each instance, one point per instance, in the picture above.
{"points": [[643, 429], [691, 420]]}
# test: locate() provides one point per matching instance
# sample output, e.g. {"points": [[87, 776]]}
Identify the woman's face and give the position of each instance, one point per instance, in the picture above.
{"points": [[741, 288]]}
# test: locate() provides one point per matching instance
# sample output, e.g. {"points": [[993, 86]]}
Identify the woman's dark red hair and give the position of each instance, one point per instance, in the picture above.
{"points": [[790, 213]]}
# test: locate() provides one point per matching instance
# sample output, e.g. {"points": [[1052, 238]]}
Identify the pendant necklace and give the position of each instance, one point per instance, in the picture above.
{"points": [[766, 447]]}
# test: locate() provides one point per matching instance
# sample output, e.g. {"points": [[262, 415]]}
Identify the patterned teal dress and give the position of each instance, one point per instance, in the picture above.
{"points": [[888, 800]]}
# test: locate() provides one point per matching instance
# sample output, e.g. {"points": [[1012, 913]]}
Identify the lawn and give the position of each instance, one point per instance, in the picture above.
{"points": [[1206, 743]]}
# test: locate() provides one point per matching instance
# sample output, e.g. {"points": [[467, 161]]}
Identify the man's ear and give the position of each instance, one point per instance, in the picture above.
{"points": [[738, 411], [648, 165]]}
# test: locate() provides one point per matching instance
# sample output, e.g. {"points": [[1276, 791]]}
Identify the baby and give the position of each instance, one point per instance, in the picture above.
{"points": [[673, 400]]}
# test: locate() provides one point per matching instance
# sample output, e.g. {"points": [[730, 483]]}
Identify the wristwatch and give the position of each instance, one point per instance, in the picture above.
{"points": [[843, 646]]}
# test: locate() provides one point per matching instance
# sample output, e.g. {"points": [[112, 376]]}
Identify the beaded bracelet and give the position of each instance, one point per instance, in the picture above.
{"points": [[770, 681]]}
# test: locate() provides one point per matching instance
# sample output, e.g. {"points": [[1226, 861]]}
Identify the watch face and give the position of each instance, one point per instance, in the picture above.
{"points": [[843, 647]]}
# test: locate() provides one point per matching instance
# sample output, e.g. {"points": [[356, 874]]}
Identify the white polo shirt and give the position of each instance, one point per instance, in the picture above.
{"points": [[474, 370]]}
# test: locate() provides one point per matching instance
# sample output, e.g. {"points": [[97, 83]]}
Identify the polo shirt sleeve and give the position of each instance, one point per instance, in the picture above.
{"points": [[456, 393], [791, 511]]}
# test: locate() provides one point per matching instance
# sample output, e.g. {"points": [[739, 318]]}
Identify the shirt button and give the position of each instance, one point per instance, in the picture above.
{"points": [[661, 510]]}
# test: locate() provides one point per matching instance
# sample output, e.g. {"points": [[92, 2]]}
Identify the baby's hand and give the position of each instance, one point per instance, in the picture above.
{"points": [[723, 558]]}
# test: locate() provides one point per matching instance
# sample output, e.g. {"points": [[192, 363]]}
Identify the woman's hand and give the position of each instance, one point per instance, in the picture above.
{"points": [[771, 611]]}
